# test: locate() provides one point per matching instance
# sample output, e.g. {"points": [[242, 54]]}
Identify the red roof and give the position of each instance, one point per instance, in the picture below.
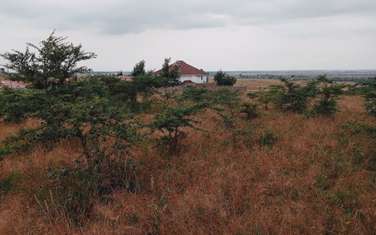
{"points": [[186, 69]]}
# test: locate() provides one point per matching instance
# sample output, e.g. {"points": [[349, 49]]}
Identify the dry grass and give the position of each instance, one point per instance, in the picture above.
{"points": [[220, 187]]}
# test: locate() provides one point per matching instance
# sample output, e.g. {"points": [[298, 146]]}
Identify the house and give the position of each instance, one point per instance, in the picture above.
{"points": [[188, 73]]}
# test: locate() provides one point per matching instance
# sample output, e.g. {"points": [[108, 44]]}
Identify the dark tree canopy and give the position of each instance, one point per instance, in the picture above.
{"points": [[223, 79], [170, 73], [166, 68], [51, 62], [139, 69]]}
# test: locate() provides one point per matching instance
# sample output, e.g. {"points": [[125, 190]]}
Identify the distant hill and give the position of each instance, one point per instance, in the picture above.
{"points": [[338, 75]]}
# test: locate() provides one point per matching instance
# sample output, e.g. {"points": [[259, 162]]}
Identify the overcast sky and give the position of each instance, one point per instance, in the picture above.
{"points": [[210, 34]]}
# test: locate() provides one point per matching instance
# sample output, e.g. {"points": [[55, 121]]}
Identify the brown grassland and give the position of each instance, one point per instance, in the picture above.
{"points": [[310, 181]]}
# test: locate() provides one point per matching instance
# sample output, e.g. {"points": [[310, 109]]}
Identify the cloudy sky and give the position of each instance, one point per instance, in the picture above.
{"points": [[211, 34]]}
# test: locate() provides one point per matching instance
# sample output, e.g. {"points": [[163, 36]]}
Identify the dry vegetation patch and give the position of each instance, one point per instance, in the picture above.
{"points": [[283, 174]]}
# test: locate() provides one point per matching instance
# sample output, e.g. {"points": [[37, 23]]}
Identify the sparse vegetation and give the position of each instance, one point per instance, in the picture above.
{"points": [[79, 156]]}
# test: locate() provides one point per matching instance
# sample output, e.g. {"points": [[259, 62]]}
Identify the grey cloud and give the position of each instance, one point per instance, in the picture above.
{"points": [[119, 17]]}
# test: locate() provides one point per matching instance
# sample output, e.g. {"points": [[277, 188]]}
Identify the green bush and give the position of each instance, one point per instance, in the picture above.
{"points": [[291, 97], [226, 103], [198, 95], [268, 139], [26, 139], [223, 79], [371, 103], [267, 96], [224, 99], [18, 105], [169, 74], [139, 69], [328, 93], [8, 183], [170, 123], [325, 107], [250, 110]]}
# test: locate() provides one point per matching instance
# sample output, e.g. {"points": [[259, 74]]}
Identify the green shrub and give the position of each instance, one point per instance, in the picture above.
{"points": [[8, 183], [291, 97], [371, 103], [17, 105], [325, 107], [226, 103], [139, 69], [72, 194], [225, 98], [250, 110], [198, 95], [171, 122], [268, 138], [223, 79], [267, 96], [328, 93], [169, 74]]}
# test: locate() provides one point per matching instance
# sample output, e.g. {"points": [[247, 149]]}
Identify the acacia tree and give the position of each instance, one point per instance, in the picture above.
{"points": [[293, 97], [171, 121], [328, 93], [50, 63]]}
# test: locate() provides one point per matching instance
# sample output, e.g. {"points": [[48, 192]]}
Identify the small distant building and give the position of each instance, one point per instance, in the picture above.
{"points": [[189, 73]]}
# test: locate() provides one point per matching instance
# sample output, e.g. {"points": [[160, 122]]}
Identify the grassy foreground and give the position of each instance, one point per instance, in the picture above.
{"points": [[282, 173]]}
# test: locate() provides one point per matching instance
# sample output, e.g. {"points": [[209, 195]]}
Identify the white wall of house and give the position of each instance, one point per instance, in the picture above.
{"points": [[200, 79]]}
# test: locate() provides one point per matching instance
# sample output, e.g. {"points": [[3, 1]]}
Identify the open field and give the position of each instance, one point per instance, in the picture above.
{"points": [[281, 173]]}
